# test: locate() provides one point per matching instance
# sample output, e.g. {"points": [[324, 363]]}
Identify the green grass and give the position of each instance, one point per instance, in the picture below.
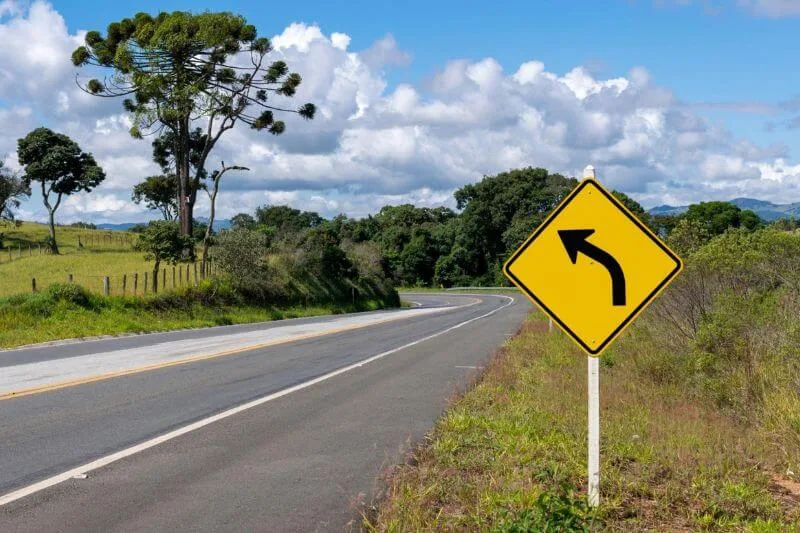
{"points": [[67, 311], [510, 455], [105, 253]]}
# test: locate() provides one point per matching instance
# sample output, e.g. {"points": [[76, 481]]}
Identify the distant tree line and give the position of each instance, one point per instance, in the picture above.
{"points": [[441, 247]]}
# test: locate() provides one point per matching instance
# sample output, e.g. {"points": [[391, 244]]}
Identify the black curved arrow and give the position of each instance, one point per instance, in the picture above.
{"points": [[574, 241]]}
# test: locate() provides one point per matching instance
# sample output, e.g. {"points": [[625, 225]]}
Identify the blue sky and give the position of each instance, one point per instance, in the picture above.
{"points": [[724, 55], [731, 64]]}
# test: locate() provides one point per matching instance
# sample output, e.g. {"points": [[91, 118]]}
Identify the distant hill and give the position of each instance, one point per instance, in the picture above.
{"points": [[125, 226], [764, 209]]}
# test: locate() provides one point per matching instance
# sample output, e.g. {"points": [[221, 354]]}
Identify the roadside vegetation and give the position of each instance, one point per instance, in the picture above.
{"points": [[65, 311], [700, 413]]}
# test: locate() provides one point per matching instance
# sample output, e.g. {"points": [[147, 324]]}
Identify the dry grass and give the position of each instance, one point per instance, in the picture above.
{"points": [[668, 462]]}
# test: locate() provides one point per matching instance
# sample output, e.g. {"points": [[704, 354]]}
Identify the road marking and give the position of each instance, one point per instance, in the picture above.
{"points": [[195, 358], [468, 367], [122, 454]]}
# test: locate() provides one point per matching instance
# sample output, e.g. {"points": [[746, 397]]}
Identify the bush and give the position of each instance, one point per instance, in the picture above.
{"points": [[241, 253], [727, 331], [71, 293]]}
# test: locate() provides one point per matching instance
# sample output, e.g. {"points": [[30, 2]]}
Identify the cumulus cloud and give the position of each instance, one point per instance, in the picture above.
{"points": [[374, 143]]}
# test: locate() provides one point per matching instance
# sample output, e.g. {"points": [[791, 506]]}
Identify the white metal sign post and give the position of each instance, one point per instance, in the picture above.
{"points": [[594, 412], [594, 431]]}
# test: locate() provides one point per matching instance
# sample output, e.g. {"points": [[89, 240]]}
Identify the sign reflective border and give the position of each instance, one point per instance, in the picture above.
{"points": [[592, 266]]}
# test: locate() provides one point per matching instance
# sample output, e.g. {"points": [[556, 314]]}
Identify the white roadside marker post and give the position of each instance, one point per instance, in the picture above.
{"points": [[594, 413]]}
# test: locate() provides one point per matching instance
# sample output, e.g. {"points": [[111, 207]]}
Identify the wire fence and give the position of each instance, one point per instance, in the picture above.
{"points": [[106, 242], [138, 283]]}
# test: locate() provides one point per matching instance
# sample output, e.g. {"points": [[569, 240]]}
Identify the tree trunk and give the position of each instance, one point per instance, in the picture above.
{"points": [[210, 227], [182, 168], [52, 222]]}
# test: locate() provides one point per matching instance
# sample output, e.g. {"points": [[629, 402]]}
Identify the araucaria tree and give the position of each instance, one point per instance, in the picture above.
{"points": [[60, 167], [179, 70]]}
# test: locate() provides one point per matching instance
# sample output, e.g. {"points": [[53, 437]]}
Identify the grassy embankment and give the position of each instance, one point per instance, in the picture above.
{"points": [[700, 422], [77, 311]]}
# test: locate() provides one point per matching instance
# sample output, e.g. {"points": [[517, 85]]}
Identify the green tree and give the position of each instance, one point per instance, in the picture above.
{"points": [[241, 254], [158, 193], [243, 221], [60, 167], [285, 219], [162, 241], [518, 198], [178, 68], [12, 190], [717, 217]]}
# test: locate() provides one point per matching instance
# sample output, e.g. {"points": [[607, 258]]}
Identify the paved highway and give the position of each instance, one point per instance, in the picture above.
{"points": [[282, 426]]}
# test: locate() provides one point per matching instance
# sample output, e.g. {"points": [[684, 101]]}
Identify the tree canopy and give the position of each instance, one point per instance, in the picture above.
{"points": [[162, 241], [716, 217], [158, 193], [59, 166]]}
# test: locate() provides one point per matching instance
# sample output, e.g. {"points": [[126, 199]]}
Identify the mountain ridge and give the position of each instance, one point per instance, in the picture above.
{"points": [[763, 208]]}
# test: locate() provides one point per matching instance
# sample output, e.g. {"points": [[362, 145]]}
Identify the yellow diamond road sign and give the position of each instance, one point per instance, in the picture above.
{"points": [[592, 266]]}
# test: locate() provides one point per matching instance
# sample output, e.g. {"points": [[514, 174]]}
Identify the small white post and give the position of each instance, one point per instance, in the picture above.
{"points": [[550, 325], [594, 431], [594, 412]]}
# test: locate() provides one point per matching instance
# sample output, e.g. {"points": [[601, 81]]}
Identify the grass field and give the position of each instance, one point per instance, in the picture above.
{"points": [[104, 253], [511, 454]]}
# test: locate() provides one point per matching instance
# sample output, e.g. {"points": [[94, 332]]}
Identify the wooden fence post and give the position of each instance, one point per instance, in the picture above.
{"points": [[145, 283], [155, 281], [30, 251], [195, 273], [69, 278], [106, 286], [173, 276], [188, 280], [180, 276], [124, 283], [163, 279], [135, 282], [33, 284]]}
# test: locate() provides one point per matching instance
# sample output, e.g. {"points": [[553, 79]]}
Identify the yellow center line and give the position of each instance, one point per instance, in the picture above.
{"points": [[205, 357]]}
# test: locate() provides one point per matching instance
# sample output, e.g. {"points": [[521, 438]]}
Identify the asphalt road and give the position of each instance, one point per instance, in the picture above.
{"points": [[288, 436]]}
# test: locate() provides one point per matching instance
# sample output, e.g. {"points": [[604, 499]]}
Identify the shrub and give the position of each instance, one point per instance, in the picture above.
{"points": [[241, 254], [69, 292]]}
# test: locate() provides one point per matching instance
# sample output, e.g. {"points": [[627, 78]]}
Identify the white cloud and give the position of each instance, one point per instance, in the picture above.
{"points": [[372, 143], [340, 40]]}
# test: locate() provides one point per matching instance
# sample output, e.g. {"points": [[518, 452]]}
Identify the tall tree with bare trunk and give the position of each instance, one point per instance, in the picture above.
{"points": [[179, 70]]}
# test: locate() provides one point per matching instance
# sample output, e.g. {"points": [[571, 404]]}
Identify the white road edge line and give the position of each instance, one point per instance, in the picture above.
{"points": [[122, 454]]}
